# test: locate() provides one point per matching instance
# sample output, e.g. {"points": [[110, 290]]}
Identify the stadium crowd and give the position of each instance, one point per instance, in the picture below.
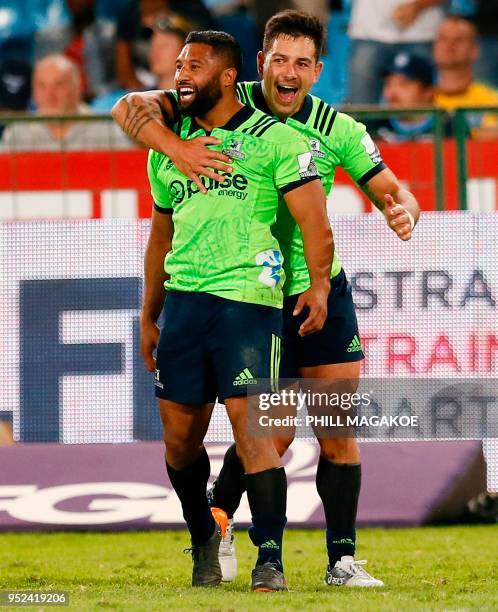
{"points": [[394, 52]]}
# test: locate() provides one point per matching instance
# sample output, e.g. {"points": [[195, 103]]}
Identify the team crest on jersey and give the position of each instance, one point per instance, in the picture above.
{"points": [[316, 150], [234, 150], [307, 166]]}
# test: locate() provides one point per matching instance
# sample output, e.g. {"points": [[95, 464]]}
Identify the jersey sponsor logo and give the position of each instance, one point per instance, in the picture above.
{"points": [[234, 150], [371, 148], [307, 166], [271, 260], [354, 345], [245, 378], [234, 185], [316, 148]]}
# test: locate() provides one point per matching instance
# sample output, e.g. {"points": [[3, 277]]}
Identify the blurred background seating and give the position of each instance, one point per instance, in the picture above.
{"points": [[124, 45]]}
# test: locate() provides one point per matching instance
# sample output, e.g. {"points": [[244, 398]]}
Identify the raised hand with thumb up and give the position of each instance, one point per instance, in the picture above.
{"points": [[398, 218]]}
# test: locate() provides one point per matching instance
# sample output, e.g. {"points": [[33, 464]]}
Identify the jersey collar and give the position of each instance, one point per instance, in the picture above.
{"points": [[235, 121], [302, 115]]}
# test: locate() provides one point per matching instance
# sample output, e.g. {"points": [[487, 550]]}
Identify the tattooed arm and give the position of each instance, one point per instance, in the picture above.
{"points": [[398, 205], [143, 116]]}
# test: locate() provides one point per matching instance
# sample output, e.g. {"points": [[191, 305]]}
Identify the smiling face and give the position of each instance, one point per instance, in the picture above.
{"points": [[198, 79], [289, 68]]}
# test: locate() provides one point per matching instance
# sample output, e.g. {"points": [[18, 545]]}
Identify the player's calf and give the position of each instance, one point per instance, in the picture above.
{"points": [[266, 486]]}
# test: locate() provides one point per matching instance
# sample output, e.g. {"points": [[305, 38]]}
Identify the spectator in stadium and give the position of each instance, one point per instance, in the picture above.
{"points": [[486, 21], [15, 86], [57, 90], [264, 9], [409, 82], [169, 33], [237, 18], [135, 27], [87, 38], [456, 51], [17, 27], [380, 29], [484, 14]]}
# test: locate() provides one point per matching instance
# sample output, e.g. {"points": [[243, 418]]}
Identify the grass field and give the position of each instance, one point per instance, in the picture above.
{"points": [[429, 568]]}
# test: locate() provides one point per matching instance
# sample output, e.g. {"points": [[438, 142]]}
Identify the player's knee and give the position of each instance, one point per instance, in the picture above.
{"points": [[256, 454], [181, 452], [347, 385], [247, 452], [340, 450]]}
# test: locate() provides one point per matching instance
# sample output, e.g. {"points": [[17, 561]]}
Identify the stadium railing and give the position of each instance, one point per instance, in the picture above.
{"points": [[446, 172]]}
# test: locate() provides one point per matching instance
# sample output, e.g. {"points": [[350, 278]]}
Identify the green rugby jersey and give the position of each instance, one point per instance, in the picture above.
{"points": [[222, 241], [335, 140]]}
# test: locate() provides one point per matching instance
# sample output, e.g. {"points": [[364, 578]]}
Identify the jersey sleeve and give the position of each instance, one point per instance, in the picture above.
{"points": [[293, 164], [358, 153], [159, 191]]}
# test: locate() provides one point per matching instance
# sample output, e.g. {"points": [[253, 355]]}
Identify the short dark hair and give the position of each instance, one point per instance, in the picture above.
{"points": [[222, 44], [294, 24]]}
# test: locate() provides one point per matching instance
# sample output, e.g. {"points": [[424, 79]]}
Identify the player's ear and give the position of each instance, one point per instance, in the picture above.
{"points": [[229, 77], [261, 63], [318, 70]]}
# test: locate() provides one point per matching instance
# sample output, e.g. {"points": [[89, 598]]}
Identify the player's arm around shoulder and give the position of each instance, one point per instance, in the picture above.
{"points": [[147, 118], [305, 197], [362, 160]]}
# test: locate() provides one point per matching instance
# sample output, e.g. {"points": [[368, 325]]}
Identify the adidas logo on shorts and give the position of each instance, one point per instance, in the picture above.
{"points": [[354, 345], [245, 378]]}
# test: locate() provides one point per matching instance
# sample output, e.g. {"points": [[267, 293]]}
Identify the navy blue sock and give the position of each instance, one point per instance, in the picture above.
{"points": [[190, 486], [338, 485], [267, 496], [230, 485]]}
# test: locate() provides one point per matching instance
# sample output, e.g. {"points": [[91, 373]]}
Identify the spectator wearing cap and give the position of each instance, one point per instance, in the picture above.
{"points": [[408, 83], [455, 52], [57, 90], [15, 86], [379, 30]]}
